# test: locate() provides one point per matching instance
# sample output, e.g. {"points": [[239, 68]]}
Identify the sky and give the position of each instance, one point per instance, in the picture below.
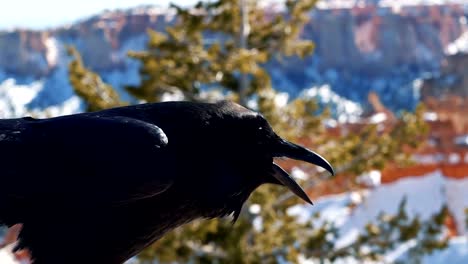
{"points": [[40, 14]]}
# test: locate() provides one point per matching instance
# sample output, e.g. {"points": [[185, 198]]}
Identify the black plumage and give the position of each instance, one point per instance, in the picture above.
{"points": [[100, 187]]}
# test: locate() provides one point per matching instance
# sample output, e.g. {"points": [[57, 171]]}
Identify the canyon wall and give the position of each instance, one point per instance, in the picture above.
{"points": [[358, 49], [369, 39]]}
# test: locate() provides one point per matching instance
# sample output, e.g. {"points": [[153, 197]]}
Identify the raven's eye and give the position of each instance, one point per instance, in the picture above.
{"points": [[262, 135]]}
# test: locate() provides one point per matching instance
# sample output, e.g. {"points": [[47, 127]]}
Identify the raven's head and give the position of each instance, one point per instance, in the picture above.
{"points": [[253, 145]]}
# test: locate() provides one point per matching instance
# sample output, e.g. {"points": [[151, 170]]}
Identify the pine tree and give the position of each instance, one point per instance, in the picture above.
{"points": [[219, 64], [215, 47], [88, 85]]}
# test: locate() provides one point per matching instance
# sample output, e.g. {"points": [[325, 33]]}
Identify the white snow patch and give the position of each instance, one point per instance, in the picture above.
{"points": [[461, 140], [255, 209], [14, 100], [456, 253], [281, 99], [52, 53], [332, 208], [15, 97], [297, 173], [378, 118], [430, 116], [345, 110], [454, 158], [425, 196], [70, 106], [371, 178], [395, 5], [6, 255], [176, 95], [427, 158], [457, 201], [460, 45]]}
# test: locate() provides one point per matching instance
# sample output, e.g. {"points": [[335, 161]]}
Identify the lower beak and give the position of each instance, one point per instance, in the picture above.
{"points": [[283, 177]]}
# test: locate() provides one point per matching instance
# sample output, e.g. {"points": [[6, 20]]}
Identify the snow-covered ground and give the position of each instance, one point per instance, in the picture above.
{"points": [[456, 253], [425, 196], [15, 100], [343, 109], [458, 46], [7, 257]]}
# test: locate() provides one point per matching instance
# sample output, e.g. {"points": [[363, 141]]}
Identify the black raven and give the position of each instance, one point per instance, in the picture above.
{"points": [[100, 187]]}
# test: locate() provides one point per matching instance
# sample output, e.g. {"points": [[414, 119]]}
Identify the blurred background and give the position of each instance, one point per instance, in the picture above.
{"points": [[379, 88]]}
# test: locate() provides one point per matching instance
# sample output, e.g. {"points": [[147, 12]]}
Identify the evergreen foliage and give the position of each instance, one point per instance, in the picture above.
{"points": [[97, 94], [202, 54], [389, 232], [210, 34]]}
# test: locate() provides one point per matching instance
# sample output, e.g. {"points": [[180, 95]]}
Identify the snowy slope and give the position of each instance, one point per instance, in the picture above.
{"points": [[457, 200], [456, 253], [6, 257], [342, 109], [16, 100], [425, 196]]}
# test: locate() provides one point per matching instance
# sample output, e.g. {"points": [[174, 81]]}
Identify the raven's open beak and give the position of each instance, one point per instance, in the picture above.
{"points": [[286, 180], [293, 151]]}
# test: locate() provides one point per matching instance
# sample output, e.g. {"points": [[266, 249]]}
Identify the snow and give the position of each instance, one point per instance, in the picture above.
{"points": [[371, 178], [281, 99], [461, 140], [394, 4], [378, 118], [454, 158], [70, 106], [425, 196], [299, 174], [333, 208], [344, 110], [430, 116], [6, 257], [176, 95], [456, 253], [52, 54], [16, 99], [255, 209], [460, 45], [427, 158], [457, 200]]}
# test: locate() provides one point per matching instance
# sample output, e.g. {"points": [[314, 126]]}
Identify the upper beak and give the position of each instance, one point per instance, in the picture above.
{"points": [[291, 150]]}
